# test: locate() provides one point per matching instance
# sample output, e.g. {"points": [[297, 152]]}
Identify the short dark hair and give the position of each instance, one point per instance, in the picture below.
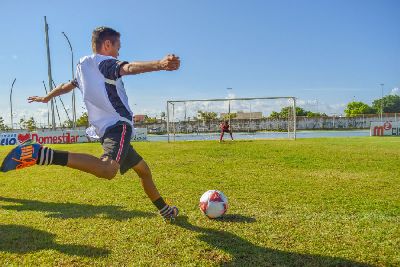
{"points": [[101, 34]]}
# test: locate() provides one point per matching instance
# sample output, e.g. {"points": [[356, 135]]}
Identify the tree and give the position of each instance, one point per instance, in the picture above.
{"points": [[3, 127], [150, 120], [275, 115], [207, 116], [284, 114], [358, 108], [68, 124], [83, 120], [311, 114], [391, 104], [29, 125]]}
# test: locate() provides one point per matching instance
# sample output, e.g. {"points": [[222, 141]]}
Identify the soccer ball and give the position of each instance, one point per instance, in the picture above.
{"points": [[213, 203]]}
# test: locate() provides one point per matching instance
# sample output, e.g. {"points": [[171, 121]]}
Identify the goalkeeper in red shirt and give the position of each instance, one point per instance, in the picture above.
{"points": [[225, 128]]}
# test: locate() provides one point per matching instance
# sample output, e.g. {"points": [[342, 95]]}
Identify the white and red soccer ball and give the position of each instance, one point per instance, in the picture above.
{"points": [[213, 204]]}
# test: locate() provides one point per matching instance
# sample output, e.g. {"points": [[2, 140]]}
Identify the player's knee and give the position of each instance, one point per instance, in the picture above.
{"points": [[142, 169], [108, 171]]}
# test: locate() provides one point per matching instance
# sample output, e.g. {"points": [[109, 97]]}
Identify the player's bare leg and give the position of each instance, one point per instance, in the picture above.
{"points": [[143, 171], [166, 211], [102, 168]]}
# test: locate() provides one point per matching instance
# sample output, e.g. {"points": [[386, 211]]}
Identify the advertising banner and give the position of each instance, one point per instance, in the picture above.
{"points": [[387, 128], [60, 137]]}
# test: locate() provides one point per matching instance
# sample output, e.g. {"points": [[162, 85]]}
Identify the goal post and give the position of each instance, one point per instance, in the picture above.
{"points": [[249, 118]]}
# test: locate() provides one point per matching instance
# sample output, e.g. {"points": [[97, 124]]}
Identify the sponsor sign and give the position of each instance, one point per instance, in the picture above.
{"points": [[387, 128], [8, 139], [139, 134], [59, 137]]}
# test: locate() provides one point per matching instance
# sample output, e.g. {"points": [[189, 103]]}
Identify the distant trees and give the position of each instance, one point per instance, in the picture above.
{"points": [[29, 125], [358, 108], [207, 116], [150, 120], [3, 126], [284, 113], [68, 124], [390, 103], [83, 120]]}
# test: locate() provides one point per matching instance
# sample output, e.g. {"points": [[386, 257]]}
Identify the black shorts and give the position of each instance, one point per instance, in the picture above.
{"points": [[116, 143]]}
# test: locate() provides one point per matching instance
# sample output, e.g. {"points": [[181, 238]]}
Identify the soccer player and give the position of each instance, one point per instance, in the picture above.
{"points": [[225, 128], [98, 77]]}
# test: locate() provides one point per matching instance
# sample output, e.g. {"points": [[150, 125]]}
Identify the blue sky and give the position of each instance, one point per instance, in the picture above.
{"points": [[320, 51]]}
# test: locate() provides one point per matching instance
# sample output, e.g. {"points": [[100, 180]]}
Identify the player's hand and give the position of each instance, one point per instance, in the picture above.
{"points": [[37, 99], [170, 62]]}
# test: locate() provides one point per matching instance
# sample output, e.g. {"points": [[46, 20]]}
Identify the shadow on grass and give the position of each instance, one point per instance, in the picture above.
{"points": [[21, 239], [245, 253], [72, 210], [235, 218]]}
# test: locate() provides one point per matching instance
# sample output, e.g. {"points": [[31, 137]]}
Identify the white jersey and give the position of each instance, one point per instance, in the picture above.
{"points": [[103, 91]]}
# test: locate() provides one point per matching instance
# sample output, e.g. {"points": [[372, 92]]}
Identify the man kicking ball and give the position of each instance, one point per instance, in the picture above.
{"points": [[98, 76]]}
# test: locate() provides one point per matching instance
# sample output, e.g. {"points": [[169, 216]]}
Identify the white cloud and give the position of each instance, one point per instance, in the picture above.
{"points": [[395, 91], [319, 106]]}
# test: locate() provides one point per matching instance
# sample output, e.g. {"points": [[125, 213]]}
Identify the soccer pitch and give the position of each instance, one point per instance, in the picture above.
{"points": [[310, 202]]}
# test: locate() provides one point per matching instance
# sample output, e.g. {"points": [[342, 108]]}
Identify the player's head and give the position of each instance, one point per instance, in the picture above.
{"points": [[226, 122], [106, 41]]}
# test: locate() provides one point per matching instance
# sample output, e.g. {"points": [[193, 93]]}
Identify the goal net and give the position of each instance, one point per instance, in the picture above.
{"points": [[249, 118]]}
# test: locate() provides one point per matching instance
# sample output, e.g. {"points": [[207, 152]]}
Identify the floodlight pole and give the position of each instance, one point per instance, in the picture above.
{"points": [[48, 111], [73, 77], [12, 119], [46, 28]]}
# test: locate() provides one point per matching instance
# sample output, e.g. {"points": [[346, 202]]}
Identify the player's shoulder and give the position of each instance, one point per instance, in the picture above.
{"points": [[95, 58], [85, 59], [100, 58]]}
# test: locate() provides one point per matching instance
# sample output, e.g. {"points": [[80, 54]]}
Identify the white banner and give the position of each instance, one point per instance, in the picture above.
{"points": [[387, 128], [60, 137]]}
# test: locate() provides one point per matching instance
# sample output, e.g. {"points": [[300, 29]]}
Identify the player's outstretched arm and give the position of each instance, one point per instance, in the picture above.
{"points": [[59, 90], [168, 63]]}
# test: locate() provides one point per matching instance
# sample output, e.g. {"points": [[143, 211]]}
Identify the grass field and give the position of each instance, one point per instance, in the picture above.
{"points": [[310, 202]]}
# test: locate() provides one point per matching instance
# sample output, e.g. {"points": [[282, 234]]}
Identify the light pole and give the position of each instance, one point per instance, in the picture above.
{"points": [[46, 29], [73, 77], [382, 84], [12, 119], [48, 110], [229, 105]]}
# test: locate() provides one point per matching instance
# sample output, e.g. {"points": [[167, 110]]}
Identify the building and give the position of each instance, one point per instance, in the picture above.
{"points": [[139, 118]]}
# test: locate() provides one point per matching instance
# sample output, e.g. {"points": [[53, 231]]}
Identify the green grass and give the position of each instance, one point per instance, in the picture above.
{"points": [[312, 202]]}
